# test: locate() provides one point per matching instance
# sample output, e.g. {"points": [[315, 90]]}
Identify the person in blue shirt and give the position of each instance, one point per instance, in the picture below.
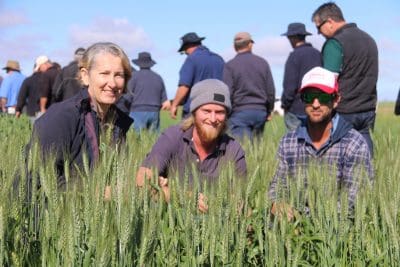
{"points": [[199, 65], [10, 86]]}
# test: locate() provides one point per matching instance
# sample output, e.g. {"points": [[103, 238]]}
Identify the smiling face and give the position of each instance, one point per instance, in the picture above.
{"points": [[317, 112], [210, 121], [105, 79]]}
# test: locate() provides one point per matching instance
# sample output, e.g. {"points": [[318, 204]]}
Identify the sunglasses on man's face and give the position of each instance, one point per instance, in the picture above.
{"points": [[323, 98], [320, 25]]}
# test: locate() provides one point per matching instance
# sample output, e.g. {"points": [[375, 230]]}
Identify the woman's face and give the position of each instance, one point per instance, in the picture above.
{"points": [[105, 80]]}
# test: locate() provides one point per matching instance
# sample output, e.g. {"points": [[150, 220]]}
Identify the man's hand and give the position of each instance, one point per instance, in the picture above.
{"points": [[281, 209], [142, 174], [173, 111], [107, 193], [163, 183], [166, 105], [18, 114], [269, 117], [202, 203], [180, 95]]}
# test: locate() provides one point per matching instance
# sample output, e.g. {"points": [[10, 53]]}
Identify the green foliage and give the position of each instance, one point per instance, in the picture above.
{"points": [[78, 227]]}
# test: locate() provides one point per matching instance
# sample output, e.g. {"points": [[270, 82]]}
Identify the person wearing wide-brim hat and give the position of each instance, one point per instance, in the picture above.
{"points": [[12, 65], [148, 95], [144, 60], [199, 65], [303, 58], [10, 86], [296, 28], [190, 39]]}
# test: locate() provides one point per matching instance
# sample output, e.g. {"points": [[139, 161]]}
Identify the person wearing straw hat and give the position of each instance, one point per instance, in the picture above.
{"points": [[200, 64], [148, 95], [303, 58], [10, 87], [199, 145], [325, 141]]}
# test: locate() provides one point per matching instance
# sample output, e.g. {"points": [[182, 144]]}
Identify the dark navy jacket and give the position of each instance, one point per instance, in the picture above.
{"points": [[66, 83], [250, 82], [29, 95], [61, 130], [302, 59]]}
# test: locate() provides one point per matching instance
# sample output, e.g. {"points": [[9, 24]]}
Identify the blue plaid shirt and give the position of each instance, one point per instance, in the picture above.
{"points": [[346, 153]]}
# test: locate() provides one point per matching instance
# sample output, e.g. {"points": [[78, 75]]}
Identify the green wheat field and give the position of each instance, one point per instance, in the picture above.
{"points": [[136, 227]]}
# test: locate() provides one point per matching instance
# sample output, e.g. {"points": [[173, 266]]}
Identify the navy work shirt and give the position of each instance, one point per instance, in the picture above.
{"points": [[250, 82], [302, 59], [200, 65], [174, 151], [148, 90]]}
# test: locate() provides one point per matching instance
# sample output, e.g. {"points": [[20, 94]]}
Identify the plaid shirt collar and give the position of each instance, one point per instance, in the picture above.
{"points": [[302, 133]]}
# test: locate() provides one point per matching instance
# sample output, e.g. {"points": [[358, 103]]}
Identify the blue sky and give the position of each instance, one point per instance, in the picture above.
{"points": [[29, 28]]}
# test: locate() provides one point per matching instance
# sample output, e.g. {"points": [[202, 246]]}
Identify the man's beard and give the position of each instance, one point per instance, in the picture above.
{"points": [[208, 133]]}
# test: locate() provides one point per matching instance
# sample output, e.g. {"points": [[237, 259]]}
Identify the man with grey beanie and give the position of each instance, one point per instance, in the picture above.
{"points": [[199, 145]]}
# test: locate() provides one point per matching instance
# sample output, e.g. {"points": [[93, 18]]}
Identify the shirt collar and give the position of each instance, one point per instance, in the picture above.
{"points": [[302, 132]]}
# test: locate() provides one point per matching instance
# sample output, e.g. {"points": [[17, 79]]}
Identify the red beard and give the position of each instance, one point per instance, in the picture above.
{"points": [[208, 133]]}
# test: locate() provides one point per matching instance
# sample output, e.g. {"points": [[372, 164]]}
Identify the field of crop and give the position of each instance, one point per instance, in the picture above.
{"points": [[80, 228]]}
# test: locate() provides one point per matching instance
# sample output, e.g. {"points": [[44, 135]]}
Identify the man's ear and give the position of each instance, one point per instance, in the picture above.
{"points": [[336, 100], [84, 76]]}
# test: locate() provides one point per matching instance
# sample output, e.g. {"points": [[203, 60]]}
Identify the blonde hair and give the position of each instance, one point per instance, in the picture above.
{"points": [[187, 123], [88, 59]]}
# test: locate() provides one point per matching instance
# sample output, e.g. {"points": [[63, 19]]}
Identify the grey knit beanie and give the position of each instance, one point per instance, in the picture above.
{"points": [[210, 91]]}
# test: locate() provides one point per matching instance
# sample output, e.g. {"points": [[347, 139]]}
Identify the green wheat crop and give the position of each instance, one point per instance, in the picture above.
{"points": [[78, 227]]}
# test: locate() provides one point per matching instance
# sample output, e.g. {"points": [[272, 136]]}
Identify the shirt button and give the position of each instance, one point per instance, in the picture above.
{"points": [[197, 160]]}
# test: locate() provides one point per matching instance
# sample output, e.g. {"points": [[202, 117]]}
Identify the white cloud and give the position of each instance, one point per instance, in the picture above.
{"points": [[10, 18], [118, 30]]}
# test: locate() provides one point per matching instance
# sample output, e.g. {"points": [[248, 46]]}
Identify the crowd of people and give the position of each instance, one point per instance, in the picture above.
{"points": [[329, 99]]}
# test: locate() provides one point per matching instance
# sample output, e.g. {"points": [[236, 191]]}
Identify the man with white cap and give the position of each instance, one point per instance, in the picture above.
{"points": [[10, 87], [252, 89], [325, 141], [48, 74], [199, 141]]}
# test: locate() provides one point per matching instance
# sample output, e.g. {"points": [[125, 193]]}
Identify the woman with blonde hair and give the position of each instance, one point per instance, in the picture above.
{"points": [[71, 128]]}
